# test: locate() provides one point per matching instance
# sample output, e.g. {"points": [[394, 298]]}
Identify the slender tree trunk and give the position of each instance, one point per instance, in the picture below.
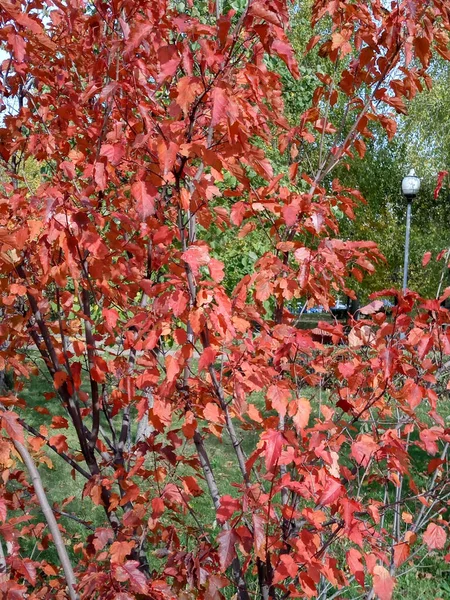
{"points": [[3, 566], [50, 518]]}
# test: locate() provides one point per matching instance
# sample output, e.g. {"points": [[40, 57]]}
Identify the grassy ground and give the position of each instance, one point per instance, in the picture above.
{"points": [[430, 580]]}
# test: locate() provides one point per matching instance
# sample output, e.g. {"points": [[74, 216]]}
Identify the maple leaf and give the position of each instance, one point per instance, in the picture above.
{"points": [[355, 565], [435, 537], [212, 413], [285, 52], [10, 422], [25, 567], [220, 103], [302, 413], [129, 571], [422, 48], [287, 567], [3, 509], [172, 368], [440, 181], [207, 358], [59, 422], [187, 88], [372, 308], [363, 449], [120, 550], [216, 270], [169, 61], [401, 553], [330, 493], [383, 583], [59, 442], [259, 536], [279, 397], [68, 168], [227, 540], [274, 440], [100, 176], [196, 257], [426, 258], [113, 152], [145, 195], [228, 506], [102, 536]]}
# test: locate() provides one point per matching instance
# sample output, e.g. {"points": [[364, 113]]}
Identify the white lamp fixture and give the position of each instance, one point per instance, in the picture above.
{"points": [[410, 185]]}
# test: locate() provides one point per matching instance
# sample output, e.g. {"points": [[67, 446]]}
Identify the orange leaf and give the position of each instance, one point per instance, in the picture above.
{"points": [[435, 537], [383, 583], [120, 550]]}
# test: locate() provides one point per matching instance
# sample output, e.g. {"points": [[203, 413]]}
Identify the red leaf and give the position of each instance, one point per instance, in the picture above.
{"points": [[178, 302], [172, 368], [196, 257], [18, 45], [220, 103], [68, 168], [273, 445], [120, 550], [287, 567], [59, 378], [238, 211], [207, 358], [188, 88], [227, 552], [59, 442], [3, 510], [331, 492], [301, 417], [216, 270], [10, 422], [363, 449], [102, 536], [383, 583], [423, 51], [59, 422], [401, 553], [113, 152], [111, 316], [212, 413], [435, 537], [100, 176], [279, 397], [426, 259], [130, 572], [26, 568], [228, 506], [145, 195], [285, 52], [372, 308], [440, 181], [355, 565], [169, 62], [259, 537]]}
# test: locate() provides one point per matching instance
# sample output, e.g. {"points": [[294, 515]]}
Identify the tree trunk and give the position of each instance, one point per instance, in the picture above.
{"points": [[50, 518]]}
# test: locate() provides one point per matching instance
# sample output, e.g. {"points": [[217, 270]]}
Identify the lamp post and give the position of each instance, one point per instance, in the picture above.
{"points": [[410, 189]]}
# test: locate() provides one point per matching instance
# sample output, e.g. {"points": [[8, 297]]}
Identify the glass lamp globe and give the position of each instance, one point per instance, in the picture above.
{"points": [[410, 185]]}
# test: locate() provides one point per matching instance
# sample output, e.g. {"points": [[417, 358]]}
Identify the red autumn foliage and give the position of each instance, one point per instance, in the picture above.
{"points": [[135, 112]]}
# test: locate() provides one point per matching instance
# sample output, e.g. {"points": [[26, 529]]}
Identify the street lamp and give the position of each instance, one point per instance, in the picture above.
{"points": [[410, 189]]}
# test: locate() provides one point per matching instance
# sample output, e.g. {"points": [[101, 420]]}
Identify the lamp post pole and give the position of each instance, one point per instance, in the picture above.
{"points": [[408, 233], [410, 189]]}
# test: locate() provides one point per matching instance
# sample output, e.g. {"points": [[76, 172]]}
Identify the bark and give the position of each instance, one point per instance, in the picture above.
{"points": [[3, 567], [50, 518]]}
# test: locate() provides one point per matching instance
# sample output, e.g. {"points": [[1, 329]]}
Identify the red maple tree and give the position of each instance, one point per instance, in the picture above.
{"points": [[139, 114]]}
